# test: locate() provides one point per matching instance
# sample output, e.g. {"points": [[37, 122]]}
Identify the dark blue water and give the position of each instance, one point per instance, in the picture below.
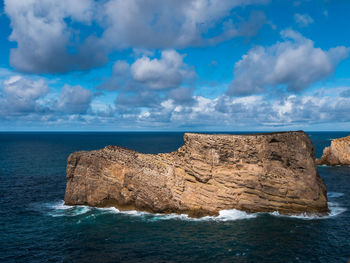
{"points": [[35, 226]]}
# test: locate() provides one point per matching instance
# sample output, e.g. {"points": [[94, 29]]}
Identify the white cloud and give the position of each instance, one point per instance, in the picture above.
{"points": [[43, 35], [149, 80], [303, 20], [21, 95], [294, 63], [246, 28], [167, 72], [226, 112], [25, 97], [74, 100], [28, 100], [181, 95], [49, 39], [165, 24], [169, 24]]}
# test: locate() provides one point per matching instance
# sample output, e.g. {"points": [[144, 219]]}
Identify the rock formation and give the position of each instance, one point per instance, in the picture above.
{"points": [[336, 154], [255, 173]]}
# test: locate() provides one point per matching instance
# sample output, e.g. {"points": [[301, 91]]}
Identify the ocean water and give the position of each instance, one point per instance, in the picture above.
{"points": [[36, 226]]}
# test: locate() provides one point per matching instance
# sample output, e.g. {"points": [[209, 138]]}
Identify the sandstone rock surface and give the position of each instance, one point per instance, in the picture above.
{"points": [[209, 173], [336, 154]]}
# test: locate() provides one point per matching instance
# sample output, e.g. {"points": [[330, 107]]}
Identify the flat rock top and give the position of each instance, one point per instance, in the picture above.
{"points": [[263, 134], [251, 137], [343, 139]]}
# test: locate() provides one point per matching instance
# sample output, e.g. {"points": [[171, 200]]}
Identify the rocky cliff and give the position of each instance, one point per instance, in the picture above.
{"points": [[336, 154], [254, 173]]}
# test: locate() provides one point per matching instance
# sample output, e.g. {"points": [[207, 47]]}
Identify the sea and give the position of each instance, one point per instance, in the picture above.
{"points": [[36, 226]]}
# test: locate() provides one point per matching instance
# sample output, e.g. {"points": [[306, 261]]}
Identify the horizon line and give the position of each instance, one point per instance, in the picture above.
{"points": [[162, 131]]}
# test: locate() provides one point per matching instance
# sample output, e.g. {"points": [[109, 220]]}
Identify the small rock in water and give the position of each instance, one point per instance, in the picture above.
{"points": [[336, 154]]}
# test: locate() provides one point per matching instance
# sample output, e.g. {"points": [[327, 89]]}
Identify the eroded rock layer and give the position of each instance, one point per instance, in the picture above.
{"points": [[336, 154], [209, 173]]}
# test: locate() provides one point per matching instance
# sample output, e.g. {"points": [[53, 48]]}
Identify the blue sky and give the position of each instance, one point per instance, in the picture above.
{"points": [[200, 65]]}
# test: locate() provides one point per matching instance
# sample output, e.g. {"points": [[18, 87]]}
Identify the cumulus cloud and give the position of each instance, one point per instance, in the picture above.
{"points": [[74, 100], [46, 42], [49, 40], [148, 81], [245, 28], [303, 20], [147, 73], [181, 95], [294, 63], [165, 24], [27, 98], [167, 72], [21, 95]]}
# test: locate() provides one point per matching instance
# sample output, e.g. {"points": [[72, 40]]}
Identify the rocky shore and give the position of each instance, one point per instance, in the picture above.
{"points": [[336, 154], [254, 173]]}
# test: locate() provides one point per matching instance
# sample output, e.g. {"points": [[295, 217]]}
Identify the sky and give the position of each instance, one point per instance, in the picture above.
{"points": [[184, 65]]}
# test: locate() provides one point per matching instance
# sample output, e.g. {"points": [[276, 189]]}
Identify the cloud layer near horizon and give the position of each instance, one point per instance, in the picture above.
{"points": [[74, 105]]}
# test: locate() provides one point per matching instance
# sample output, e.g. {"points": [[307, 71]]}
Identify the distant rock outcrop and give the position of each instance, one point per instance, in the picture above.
{"points": [[255, 173], [336, 154]]}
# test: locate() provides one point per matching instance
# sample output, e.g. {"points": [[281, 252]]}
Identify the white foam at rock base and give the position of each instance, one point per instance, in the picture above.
{"points": [[334, 208], [224, 215], [59, 209]]}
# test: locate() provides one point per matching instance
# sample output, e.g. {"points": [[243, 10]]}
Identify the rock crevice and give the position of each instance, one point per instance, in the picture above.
{"points": [[254, 173]]}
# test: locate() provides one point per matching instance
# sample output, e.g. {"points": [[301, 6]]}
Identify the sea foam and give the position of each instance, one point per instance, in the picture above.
{"points": [[334, 208], [59, 209], [334, 194], [224, 215]]}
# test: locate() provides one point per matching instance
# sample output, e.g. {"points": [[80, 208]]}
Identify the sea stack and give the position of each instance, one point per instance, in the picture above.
{"points": [[336, 154], [210, 172]]}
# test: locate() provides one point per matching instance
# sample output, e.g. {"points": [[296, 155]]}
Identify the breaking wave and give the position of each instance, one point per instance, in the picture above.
{"points": [[59, 209], [334, 208]]}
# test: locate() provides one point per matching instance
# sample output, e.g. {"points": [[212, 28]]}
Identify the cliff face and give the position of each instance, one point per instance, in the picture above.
{"points": [[254, 173], [336, 154]]}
